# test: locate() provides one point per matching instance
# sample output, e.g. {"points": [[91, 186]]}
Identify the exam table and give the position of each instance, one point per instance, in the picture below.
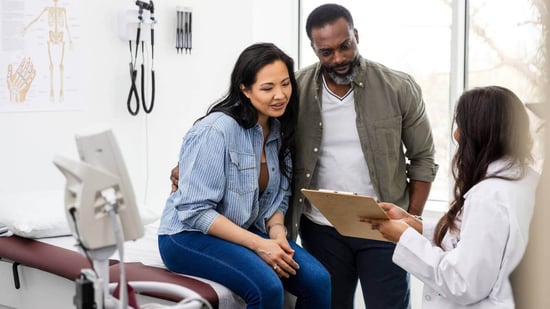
{"points": [[40, 273]]}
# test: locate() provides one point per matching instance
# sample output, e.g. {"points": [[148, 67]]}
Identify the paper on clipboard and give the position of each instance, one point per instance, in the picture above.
{"points": [[343, 211]]}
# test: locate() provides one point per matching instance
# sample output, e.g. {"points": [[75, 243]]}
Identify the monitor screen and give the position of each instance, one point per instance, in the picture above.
{"points": [[101, 169]]}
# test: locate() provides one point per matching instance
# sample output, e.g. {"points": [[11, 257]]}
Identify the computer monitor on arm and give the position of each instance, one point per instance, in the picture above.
{"points": [[101, 210], [100, 202]]}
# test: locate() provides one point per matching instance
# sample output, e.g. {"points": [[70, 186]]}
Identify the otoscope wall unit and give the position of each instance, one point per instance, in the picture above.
{"points": [[136, 29], [129, 22]]}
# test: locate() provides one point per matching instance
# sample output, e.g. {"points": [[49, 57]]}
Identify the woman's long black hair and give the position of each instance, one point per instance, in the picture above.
{"points": [[238, 106], [493, 124]]}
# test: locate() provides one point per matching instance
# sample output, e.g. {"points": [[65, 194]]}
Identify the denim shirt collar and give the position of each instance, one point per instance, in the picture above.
{"points": [[275, 129]]}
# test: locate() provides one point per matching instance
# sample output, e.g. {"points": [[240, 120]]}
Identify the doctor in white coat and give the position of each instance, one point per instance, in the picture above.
{"points": [[465, 260]]}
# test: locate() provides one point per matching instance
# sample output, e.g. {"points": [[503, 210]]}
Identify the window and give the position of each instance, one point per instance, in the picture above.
{"points": [[506, 49], [413, 37], [504, 44]]}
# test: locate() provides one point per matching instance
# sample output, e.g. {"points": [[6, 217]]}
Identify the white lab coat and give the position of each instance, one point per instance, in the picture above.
{"points": [[473, 269]]}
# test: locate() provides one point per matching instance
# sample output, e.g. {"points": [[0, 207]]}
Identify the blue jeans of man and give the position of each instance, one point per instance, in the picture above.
{"points": [[384, 284], [244, 272]]}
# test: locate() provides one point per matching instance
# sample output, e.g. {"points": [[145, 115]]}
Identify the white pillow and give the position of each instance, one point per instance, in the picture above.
{"points": [[40, 214], [34, 214]]}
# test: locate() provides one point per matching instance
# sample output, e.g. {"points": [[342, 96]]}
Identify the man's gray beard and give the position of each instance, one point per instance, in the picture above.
{"points": [[344, 79]]}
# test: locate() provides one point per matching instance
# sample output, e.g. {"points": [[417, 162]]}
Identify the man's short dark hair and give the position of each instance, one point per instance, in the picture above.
{"points": [[327, 14]]}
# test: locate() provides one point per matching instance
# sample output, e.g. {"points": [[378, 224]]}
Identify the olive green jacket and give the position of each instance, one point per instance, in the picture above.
{"points": [[393, 128]]}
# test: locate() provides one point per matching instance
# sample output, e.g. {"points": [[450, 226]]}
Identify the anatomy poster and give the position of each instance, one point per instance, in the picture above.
{"points": [[40, 65]]}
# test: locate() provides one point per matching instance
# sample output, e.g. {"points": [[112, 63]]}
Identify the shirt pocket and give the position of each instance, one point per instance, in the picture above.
{"points": [[241, 173], [388, 136]]}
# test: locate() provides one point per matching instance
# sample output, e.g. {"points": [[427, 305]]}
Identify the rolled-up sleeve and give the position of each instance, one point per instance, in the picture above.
{"points": [[417, 134], [201, 179]]}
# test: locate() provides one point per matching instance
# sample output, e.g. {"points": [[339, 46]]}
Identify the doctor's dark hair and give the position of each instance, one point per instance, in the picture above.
{"points": [[327, 14], [239, 107], [492, 124]]}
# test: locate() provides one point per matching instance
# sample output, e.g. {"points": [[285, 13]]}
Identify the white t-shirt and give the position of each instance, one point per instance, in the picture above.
{"points": [[341, 166]]}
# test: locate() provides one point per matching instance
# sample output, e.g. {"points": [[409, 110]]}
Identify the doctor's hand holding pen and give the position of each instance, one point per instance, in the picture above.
{"points": [[399, 221]]}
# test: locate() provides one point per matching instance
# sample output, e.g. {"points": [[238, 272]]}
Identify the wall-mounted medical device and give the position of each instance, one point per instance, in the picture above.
{"points": [[137, 17], [137, 26], [184, 29]]}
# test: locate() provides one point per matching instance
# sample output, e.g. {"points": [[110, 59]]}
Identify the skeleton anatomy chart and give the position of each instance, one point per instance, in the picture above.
{"points": [[39, 64]]}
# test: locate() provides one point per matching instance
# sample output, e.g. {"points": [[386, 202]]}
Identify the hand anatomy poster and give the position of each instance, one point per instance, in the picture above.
{"points": [[40, 62]]}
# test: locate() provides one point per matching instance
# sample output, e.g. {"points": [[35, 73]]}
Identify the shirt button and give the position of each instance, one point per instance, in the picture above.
{"points": [[427, 297], [315, 149], [308, 175], [320, 124], [301, 200]]}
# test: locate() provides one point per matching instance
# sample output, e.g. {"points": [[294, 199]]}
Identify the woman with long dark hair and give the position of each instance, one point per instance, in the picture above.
{"points": [[226, 220], [465, 260]]}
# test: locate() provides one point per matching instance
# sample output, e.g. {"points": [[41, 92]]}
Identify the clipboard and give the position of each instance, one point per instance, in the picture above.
{"points": [[343, 210]]}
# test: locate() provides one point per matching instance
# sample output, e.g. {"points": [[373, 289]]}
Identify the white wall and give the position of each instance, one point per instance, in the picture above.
{"points": [[186, 86], [530, 279]]}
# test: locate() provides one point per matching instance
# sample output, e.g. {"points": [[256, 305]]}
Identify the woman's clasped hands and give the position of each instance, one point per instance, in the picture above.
{"points": [[279, 255]]}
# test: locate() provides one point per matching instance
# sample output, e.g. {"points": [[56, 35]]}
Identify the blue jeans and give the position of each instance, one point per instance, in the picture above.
{"points": [[384, 284], [244, 272]]}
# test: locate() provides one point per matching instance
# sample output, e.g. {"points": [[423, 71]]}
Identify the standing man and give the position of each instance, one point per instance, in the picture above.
{"points": [[362, 128]]}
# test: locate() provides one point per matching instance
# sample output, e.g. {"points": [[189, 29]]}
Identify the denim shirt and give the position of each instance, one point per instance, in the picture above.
{"points": [[219, 166]]}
